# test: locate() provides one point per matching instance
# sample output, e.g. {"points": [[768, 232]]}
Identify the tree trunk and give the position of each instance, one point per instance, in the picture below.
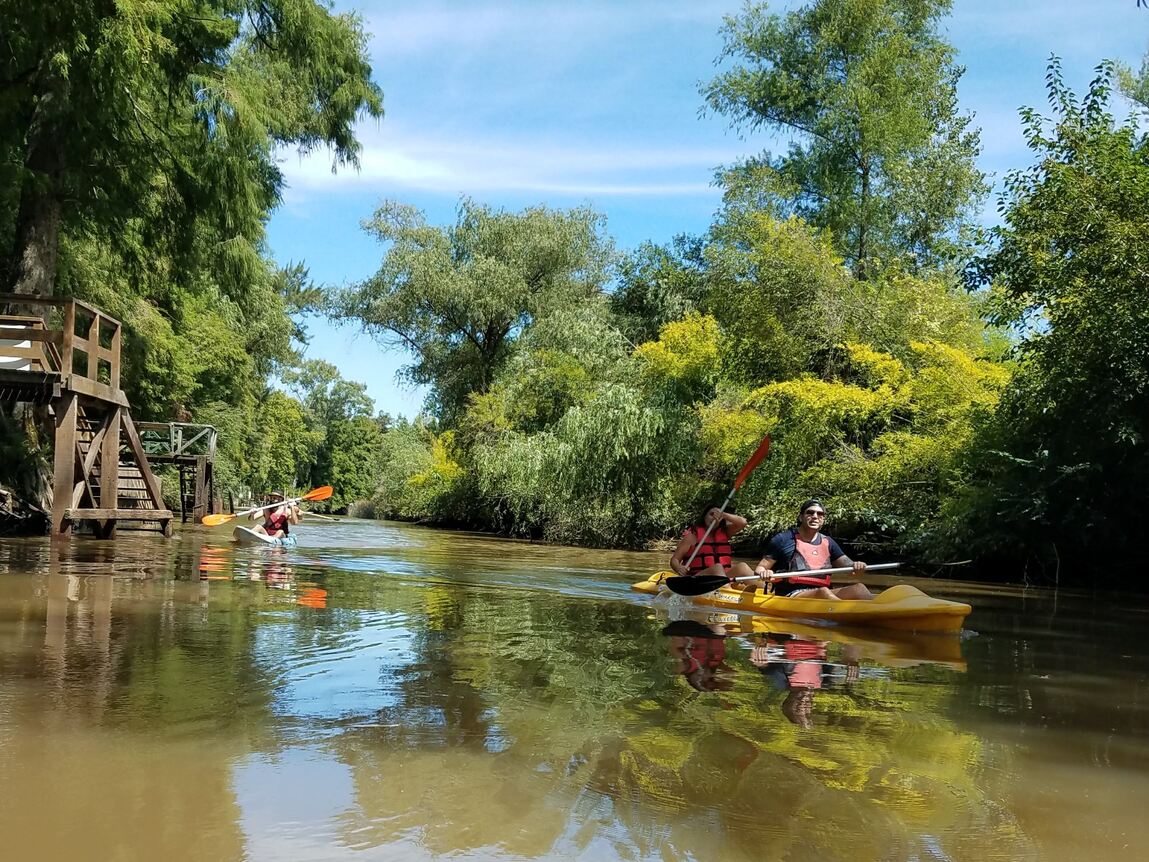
{"points": [[33, 261]]}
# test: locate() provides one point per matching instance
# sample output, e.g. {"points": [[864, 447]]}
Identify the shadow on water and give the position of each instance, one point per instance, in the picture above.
{"points": [[385, 691]]}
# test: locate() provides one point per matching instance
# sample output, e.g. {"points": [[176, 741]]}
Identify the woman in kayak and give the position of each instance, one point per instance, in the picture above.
{"points": [[276, 521], [700, 652], [714, 556], [806, 548]]}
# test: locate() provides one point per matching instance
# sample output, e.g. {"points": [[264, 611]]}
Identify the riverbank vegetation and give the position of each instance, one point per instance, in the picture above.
{"points": [[138, 168], [951, 390]]}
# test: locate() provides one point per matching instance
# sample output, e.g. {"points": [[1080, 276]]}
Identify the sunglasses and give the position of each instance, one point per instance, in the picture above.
{"points": [[813, 514]]}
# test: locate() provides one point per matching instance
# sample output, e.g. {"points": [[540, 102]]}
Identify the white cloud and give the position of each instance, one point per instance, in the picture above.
{"points": [[518, 165], [542, 27]]}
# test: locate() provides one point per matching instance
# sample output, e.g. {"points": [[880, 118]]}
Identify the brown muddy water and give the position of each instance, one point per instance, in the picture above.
{"points": [[388, 692]]}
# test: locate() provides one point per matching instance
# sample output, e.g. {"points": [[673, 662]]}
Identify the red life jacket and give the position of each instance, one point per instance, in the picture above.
{"points": [[277, 520], [716, 549], [810, 557]]}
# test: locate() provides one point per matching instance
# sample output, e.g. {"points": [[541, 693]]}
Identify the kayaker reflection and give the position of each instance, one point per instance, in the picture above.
{"points": [[805, 548], [714, 556], [277, 522], [700, 654], [799, 667]]}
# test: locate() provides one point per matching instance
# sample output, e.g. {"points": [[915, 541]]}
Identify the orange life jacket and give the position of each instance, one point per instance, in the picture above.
{"points": [[810, 557]]}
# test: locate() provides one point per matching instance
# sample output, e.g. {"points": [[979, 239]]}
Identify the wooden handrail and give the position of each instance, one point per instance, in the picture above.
{"points": [[54, 302], [68, 341], [182, 438]]}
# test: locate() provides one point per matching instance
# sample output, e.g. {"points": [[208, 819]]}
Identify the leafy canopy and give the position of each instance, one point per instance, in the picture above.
{"points": [[155, 125], [1072, 436], [866, 90], [459, 297]]}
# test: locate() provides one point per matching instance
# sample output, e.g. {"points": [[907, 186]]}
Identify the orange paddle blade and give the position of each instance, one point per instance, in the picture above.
{"points": [[216, 520], [319, 493], [755, 459]]}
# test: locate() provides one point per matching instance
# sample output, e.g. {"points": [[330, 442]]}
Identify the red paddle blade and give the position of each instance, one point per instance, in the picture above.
{"points": [[754, 461], [319, 493]]}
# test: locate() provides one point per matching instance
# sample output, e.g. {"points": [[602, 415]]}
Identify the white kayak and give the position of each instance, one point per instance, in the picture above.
{"points": [[248, 536]]}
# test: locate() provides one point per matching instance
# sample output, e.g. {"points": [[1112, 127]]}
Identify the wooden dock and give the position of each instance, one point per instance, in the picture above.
{"points": [[191, 448], [65, 354]]}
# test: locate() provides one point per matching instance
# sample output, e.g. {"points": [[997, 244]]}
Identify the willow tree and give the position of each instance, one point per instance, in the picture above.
{"points": [[153, 126], [458, 298], [865, 92]]}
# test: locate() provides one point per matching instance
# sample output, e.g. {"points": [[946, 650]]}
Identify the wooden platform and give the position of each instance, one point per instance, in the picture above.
{"points": [[33, 387], [191, 449], [68, 357]]}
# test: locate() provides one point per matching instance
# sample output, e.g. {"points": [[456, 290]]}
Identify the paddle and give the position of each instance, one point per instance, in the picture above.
{"points": [[317, 494], [698, 585], [746, 470]]}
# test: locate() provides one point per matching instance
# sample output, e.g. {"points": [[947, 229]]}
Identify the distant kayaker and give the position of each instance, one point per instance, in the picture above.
{"points": [[714, 557], [806, 548], [277, 521]]}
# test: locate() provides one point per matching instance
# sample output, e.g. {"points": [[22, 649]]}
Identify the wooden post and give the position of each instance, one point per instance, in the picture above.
{"points": [[209, 485], [110, 467], [67, 337], [114, 369], [183, 493], [64, 459], [202, 488], [91, 345]]}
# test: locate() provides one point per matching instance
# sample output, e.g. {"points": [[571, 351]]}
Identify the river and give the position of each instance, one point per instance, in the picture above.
{"points": [[391, 692]]}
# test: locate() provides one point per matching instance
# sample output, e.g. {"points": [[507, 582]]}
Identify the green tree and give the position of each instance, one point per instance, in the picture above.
{"points": [[282, 447], [658, 285], [866, 90], [1070, 444], [419, 474], [459, 298], [169, 113], [339, 411], [1135, 85], [786, 303], [326, 394], [354, 450]]}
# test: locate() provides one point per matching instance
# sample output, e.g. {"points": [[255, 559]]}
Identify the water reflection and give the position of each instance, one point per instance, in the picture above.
{"points": [[699, 651], [387, 692]]}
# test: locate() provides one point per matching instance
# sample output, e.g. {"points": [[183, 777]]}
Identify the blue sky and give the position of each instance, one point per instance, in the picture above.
{"points": [[565, 104]]}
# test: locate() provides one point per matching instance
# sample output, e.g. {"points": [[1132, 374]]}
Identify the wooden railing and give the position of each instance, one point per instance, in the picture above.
{"points": [[176, 440], [84, 342], [75, 340]]}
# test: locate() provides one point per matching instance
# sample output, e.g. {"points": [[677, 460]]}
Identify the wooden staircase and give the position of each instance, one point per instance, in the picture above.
{"points": [[72, 363], [111, 481]]}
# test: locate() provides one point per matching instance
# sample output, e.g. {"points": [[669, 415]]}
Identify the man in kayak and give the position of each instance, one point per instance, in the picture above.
{"points": [[805, 548], [714, 556], [276, 521]]}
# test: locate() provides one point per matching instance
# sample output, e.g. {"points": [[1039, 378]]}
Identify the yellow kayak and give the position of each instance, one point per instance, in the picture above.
{"points": [[900, 607]]}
